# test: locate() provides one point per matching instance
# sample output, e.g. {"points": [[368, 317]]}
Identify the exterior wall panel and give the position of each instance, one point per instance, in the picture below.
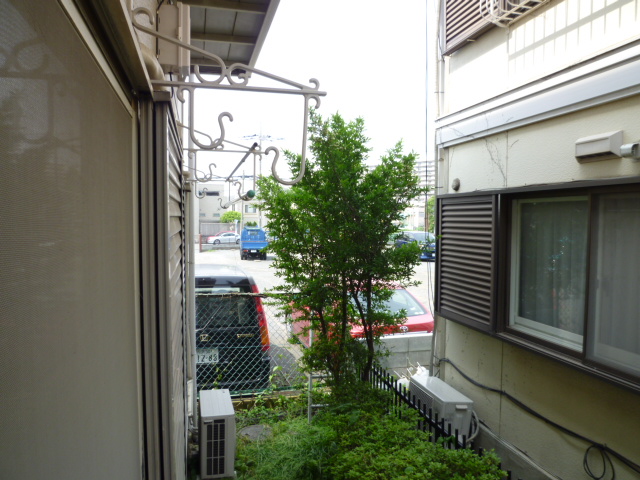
{"points": [[69, 315], [171, 291], [564, 74]]}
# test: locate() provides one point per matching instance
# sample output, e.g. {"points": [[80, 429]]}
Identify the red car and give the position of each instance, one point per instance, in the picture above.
{"points": [[419, 319]]}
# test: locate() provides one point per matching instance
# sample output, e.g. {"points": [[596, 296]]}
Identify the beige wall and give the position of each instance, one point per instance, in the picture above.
{"points": [[543, 152], [595, 409], [565, 41], [538, 154], [555, 37]]}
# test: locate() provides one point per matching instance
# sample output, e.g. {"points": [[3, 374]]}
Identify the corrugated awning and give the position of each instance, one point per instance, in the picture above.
{"points": [[233, 30]]}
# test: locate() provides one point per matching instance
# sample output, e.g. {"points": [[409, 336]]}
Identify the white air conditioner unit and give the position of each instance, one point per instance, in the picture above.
{"points": [[217, 434], [445, 401]]}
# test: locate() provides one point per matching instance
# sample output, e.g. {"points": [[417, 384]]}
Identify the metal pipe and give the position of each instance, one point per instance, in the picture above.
{"points": [[251, 150]]}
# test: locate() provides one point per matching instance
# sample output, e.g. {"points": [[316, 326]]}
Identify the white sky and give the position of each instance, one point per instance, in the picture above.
{"points": [[368, 55]]}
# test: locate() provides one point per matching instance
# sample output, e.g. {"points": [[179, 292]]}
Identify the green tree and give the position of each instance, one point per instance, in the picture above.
{"points": [[431, 214], [230, 216], [330, 238]]}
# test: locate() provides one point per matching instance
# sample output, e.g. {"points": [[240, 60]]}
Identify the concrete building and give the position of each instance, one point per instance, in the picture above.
{"points": [[211, 197], [538, 319], [415, 215]]}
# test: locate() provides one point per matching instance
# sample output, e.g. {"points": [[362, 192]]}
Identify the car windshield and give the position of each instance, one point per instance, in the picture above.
{"points": [[402, 300]]}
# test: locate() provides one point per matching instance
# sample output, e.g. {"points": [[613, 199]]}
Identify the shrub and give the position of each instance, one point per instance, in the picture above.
{"points": [[295, 450], [355, 437]]}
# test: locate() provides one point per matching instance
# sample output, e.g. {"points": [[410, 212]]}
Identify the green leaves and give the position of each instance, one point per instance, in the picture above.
{"points": [[230, 216], [331, 238], [357, 438]]}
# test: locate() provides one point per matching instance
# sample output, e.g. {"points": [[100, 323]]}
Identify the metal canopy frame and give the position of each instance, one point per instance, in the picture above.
{"points": [[226, 81]]}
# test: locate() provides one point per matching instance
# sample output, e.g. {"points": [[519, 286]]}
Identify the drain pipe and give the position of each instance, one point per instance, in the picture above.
{"points": [[439, 65], [191, 299]]}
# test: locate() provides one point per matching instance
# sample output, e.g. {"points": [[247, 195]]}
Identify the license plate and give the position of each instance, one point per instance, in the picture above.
{"points": [[207, 355], [254, 251]]}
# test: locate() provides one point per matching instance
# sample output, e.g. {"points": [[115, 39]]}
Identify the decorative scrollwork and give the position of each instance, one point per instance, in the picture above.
{"points": [[206, 178], [217, 82], [213, 144], [241, 196], [201, 193]]}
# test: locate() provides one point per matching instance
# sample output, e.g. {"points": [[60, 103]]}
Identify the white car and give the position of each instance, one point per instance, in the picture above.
{"points": [[224, 237]]}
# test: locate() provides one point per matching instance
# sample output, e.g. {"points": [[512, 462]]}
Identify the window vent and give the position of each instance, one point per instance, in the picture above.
{"points": [[466, 260], [504, 12], [599, 147], [462, 24]]}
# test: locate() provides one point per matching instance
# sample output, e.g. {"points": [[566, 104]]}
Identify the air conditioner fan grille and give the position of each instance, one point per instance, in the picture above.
{"points": [[215, 447]]}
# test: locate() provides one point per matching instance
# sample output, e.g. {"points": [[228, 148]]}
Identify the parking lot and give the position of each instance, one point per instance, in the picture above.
{"points": [[284, 354], [266, 279]]}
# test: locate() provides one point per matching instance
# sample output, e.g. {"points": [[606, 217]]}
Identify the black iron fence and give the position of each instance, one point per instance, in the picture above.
{"points": [[439, 428]]}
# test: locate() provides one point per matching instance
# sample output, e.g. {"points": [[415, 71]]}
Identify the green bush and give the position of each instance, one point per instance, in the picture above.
{"points": [[355, 438], [295, 450]]}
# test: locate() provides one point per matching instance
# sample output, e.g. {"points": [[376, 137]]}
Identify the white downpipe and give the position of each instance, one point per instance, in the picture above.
{"points": [[439, 79], [191, 298]]}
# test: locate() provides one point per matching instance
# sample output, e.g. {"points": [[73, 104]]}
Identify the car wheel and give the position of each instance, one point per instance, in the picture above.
{"points": [[216, 242], [237, 241]]}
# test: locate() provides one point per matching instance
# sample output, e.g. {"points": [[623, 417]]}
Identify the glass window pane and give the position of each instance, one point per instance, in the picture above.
{"points": [[549, 268], [224, 311], [614, 323]]}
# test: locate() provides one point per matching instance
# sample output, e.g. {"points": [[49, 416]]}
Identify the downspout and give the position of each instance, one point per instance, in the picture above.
{"points": [[190, 294], [439, 93], [191, 282]]}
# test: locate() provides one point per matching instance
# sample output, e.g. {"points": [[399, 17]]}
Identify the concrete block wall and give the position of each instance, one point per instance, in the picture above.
{"points": [[406, 351]]}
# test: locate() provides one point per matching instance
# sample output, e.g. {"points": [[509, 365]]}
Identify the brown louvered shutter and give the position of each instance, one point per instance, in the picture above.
{"points": [[466, 260], [462, 22]]}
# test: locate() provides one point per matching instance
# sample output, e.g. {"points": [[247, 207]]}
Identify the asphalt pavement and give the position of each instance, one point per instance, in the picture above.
{"points": [[266, 279]]}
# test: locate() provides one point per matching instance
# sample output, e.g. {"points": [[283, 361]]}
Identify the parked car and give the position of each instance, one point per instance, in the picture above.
{"points": [[426, 240], [232, 336], [224, 237], [419, 319]]}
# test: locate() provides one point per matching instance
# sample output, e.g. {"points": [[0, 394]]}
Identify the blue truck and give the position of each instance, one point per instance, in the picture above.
{"points": [[253, 242]]}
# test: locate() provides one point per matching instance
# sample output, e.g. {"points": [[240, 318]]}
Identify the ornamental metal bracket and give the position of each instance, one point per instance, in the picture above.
{"points": [[253, 149], [225, 81], [248, 196]]}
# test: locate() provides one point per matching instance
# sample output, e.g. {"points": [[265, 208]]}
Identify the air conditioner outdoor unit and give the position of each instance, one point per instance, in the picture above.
{"points": [[217, 434], [444, 400]]}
